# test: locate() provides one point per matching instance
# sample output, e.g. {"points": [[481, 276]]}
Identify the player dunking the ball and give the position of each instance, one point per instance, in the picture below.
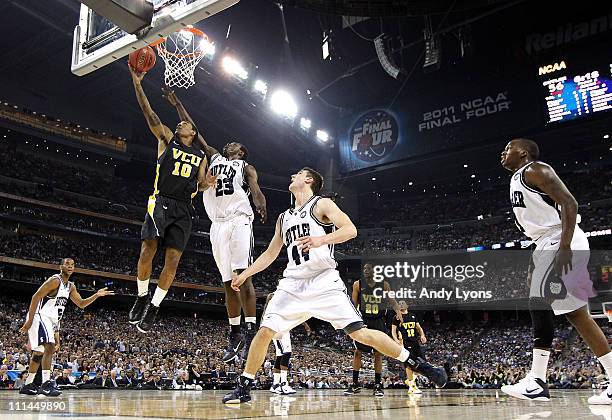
{"points": [[180, 173], [311, 285], [231, 233], [546, 212], [43, 323]]}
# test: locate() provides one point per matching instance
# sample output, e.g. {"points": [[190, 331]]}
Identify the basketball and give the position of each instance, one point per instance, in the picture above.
{"points": [[143, 60]]}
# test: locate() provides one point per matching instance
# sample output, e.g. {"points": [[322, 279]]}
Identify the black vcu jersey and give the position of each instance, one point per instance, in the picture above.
{"points": [[169, 209], [372, 310], [409, 333]]}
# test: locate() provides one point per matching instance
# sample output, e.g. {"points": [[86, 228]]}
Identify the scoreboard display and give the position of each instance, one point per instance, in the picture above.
{"points": [[576, 94]]}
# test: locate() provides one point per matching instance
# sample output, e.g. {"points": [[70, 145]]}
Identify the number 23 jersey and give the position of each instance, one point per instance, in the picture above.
{"points": [[230, 197], [300, 222]]}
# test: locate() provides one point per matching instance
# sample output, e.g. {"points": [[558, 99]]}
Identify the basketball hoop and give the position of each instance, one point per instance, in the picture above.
{"points": [[181, 52]]}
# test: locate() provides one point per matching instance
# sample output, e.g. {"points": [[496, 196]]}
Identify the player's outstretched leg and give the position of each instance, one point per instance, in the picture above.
{"points": [[171, 261], [354, 387], [235, 339], [533, 386], [49, 387], [148, 249], [257, 354], [29, 388], [385, 345], [248, 300]]}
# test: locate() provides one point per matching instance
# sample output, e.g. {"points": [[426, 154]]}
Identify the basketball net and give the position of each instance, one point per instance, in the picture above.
{"points": [[181, 52]]}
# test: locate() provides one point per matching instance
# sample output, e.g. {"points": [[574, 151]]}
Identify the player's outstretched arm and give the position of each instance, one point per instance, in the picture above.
{"points": [[394, 334], [264, 260], [170, 96], [258, 198], [160, 131], [45, 289], [328, 212], [421, 333], [76, 298], [546, 180]]}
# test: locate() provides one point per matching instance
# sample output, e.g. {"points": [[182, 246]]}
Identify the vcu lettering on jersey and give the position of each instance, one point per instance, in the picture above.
{"points": [[177, 171], [296, 223], [535, 213], [407, 328], [230, 197], [370, 305]]}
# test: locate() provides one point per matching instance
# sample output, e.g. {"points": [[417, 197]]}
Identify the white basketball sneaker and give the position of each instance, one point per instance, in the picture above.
{"points": [[605, 398], [276, 389], [285, 389], [528, 388]]}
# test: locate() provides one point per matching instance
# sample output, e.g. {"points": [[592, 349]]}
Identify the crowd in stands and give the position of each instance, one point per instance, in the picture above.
{"points": [[99, 348]]}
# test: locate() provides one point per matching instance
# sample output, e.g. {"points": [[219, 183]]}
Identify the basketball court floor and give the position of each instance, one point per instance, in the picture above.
{"points": [[330, 404]]}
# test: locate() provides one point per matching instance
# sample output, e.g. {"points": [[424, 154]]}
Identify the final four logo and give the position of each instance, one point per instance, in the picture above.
{"points": [[374, 135]]}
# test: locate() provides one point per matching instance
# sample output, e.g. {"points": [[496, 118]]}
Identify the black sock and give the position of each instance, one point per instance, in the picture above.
{"points": [[377, 377], [245, 382], [355, 377], [235, 329]]}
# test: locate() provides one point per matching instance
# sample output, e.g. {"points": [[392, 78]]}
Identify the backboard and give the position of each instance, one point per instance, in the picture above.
{"points": [[98, 42]]}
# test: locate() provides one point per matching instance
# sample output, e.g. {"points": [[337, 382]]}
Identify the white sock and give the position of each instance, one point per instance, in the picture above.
{"points": [[143, 287], [403, 356], [235, 320], [159, 295], [251, 319], [283, 377], [46, 375], [539, 363], [276, 378], [606, 362], [30, 378]]}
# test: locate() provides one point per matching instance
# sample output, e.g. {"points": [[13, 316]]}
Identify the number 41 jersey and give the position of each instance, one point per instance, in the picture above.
{"points": [[296, 223], [230, 197]]}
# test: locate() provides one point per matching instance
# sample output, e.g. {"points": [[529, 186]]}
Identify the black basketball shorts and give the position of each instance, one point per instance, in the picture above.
{"points": [[373, 324], [169, 220], [415, 349]]}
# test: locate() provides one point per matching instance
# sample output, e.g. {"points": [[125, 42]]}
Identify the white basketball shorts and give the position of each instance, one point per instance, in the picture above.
{"points": [[41, 332], [569, 291], [323, 296], [283, 344], [232, 245]]}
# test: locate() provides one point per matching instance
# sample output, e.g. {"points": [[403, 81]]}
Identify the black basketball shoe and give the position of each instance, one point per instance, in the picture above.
{"points": [[352, 390], [240, 394], [234, 345], [437, 375], [148, 318], [49, 389], [137, 310], [378, 391], [248, 337], [29, 389]]}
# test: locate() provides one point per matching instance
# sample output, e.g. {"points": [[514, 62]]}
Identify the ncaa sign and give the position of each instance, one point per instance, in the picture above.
{"points": [[374, 135]]}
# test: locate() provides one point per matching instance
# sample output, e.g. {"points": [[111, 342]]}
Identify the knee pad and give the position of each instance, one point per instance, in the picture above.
{"points": [[37, 358], [543, 328], [284, 359]]}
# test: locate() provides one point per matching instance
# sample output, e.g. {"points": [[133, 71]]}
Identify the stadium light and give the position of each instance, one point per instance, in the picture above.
{"points": [[322, 135], [305, 123], [410, 183], [373, 178], [606, 136], [282, 103], [473, 176], [260, 87], [234, 68], [465, 165]]}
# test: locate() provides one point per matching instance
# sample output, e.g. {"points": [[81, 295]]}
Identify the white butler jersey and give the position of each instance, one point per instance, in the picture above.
{"points": [[296, 223], [53, 307], [230, 197], [534, 211]]}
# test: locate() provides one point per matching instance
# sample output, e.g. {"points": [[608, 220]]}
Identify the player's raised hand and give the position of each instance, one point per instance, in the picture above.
{"points": [[136, 76], [423, 339], [26, 326], [263, 213], [169, 95], [237, 281], [210, 180], [306, 243], [104, 292]]}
